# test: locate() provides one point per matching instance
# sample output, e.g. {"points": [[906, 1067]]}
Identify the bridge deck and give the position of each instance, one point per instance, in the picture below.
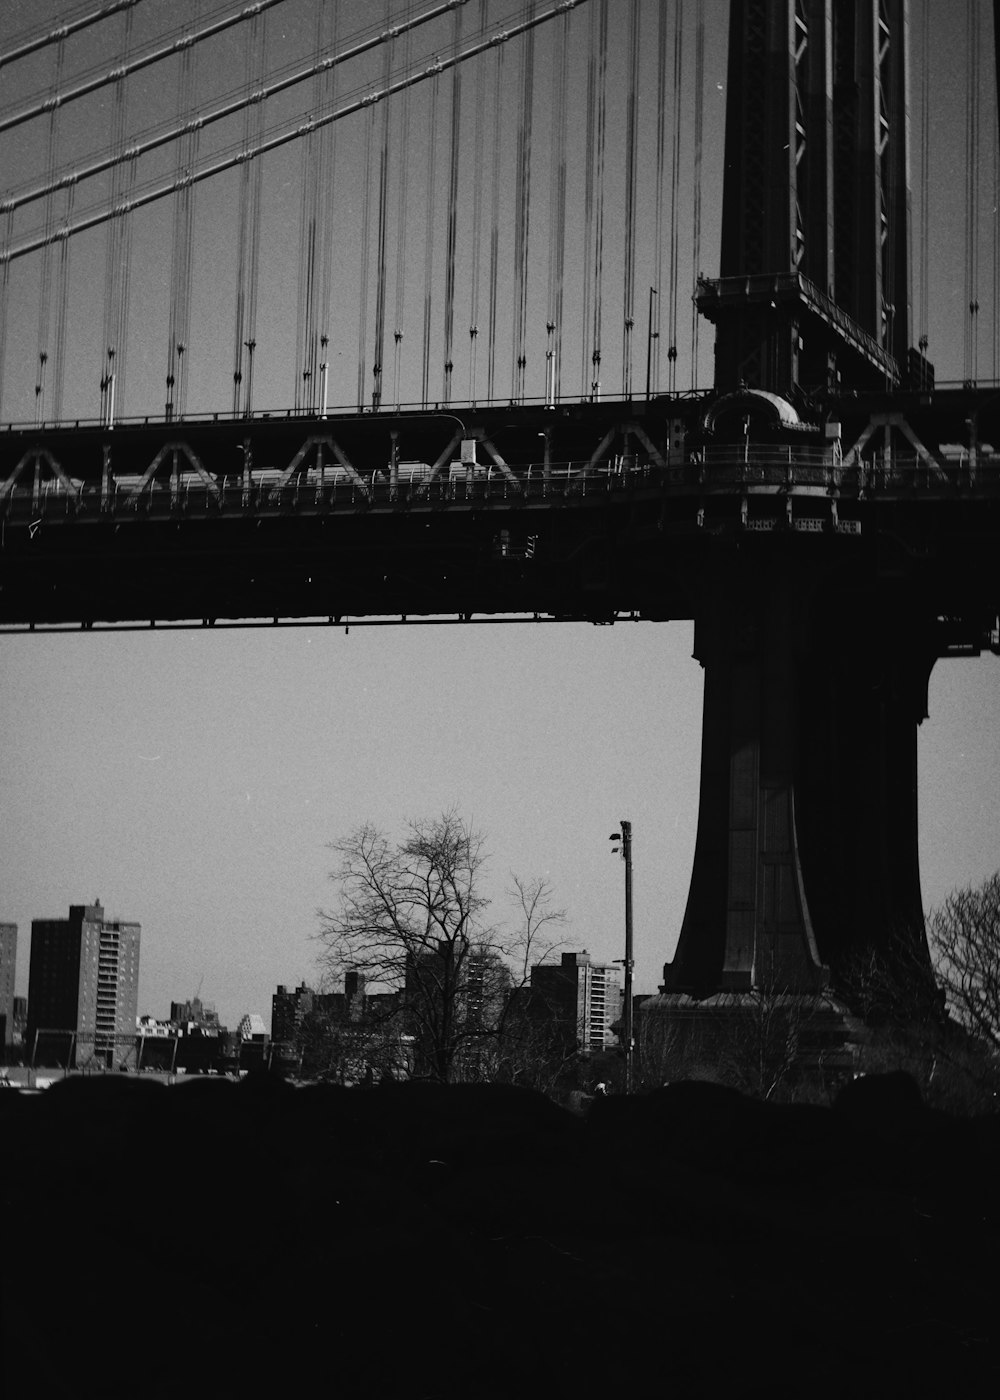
{"points": [[593, 511]]}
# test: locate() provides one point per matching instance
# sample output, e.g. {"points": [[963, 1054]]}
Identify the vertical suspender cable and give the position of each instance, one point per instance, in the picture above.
{"points": [[597, 90], [495, 219], [925, 128], [118, 252], [971, 188], [402, 221], [304, 335], [967, 259], [996, 243], [477, 221], [181, 249], [557, 220], [4, 296], [588, 200], [327, 161], [974, 85], [366, 228], [248, 248], [429, 237], [661, 149], [62, 300], [628, 300], [449, 285], [522, 215], [310, 204], [383, 219], [675, 165], [45, 287], [699, 121]]}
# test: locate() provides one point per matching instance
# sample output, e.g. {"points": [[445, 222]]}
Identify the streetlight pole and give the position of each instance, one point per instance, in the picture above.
{"points": [[626, 850]]}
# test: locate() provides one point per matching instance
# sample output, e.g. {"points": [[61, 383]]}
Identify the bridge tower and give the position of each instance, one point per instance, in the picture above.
{"points": [[816, 662], [814, 285]]}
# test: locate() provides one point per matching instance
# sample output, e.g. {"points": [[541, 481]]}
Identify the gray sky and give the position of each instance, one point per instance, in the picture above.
{"points": [[192, 781]]}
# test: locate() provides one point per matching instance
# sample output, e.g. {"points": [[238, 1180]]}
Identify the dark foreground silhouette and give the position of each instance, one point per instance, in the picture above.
{"points": [[470, 1242]]}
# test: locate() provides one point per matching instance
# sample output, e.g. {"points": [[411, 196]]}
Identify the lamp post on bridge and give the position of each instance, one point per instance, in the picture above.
{"points": [[625, 837]]}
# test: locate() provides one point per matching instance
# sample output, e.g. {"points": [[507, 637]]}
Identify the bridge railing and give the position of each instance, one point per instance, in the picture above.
{"points": [[387, 412]]}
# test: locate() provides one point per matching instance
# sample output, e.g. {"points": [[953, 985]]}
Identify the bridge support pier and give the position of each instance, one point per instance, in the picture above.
{"points": [[806, 849]]}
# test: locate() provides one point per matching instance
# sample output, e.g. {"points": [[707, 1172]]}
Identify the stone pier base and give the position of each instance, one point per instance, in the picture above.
{"points": [[771, 1045]]}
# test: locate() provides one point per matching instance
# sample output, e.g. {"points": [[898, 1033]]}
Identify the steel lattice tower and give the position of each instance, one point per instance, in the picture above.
{"points": [[814, 286]]}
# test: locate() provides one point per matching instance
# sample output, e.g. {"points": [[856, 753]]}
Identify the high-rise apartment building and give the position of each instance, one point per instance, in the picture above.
{"points": [[288, 1011], [583, 996], [83, 984], [8, 966]]}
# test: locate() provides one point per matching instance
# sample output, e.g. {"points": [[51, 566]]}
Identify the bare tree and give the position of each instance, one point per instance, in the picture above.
{"points": [[413, 918], [964, 937], [375, 1047], [937, 1017]]}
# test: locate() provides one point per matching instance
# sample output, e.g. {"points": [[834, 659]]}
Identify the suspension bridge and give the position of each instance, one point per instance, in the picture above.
{"points": [[398, 312]]}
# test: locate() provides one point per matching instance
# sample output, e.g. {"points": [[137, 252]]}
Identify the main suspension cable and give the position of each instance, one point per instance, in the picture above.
{"points": [[178, 40], [248, 153], [232, 105], [70, 25]]}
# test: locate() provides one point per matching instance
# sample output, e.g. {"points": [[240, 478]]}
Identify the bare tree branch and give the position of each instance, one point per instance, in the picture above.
{"points": [[964, 936], [412, 918]]}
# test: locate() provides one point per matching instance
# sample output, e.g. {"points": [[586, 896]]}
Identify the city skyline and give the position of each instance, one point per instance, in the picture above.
{"points": [[88, 922]]}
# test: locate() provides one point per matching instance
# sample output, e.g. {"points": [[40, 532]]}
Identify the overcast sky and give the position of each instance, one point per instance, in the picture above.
{"points": [[192, 781]]}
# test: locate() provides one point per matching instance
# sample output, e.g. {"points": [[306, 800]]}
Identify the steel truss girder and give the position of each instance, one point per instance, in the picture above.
{"points": [[129, 461]]}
